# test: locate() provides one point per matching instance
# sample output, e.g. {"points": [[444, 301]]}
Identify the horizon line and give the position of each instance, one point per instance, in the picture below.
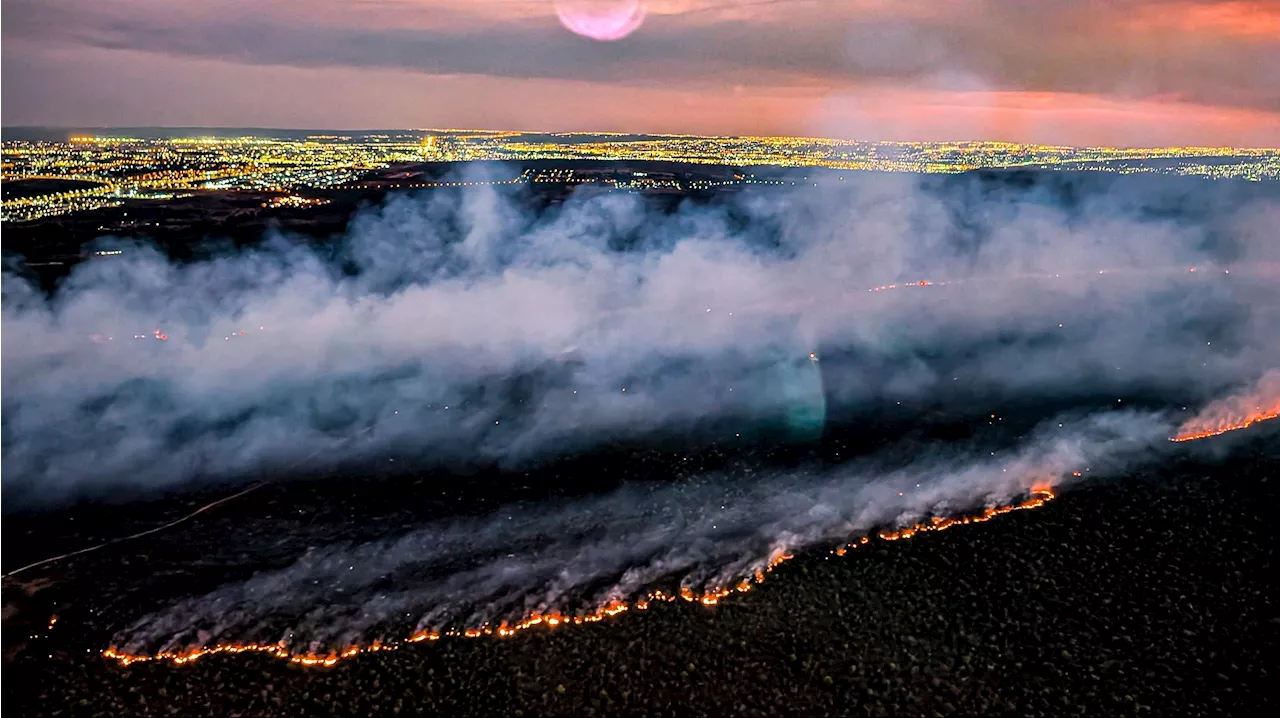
{"points": [[570, 133]]}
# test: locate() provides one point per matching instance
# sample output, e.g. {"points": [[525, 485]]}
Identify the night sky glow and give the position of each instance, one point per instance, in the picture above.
{"points": [[1113, 73]]}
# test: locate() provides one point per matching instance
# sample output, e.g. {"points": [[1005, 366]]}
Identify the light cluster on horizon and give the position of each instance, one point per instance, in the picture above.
{"points": [[121, 168], [925, 157], [116, 169]]}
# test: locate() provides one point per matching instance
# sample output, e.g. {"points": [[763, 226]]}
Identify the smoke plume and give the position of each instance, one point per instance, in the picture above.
{"points": [[467, 326], [478, 326], [1260, 402], [697, 537]]}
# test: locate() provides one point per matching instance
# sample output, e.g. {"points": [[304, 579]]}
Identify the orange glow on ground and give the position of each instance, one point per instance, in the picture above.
{"points": [[1039, 496], [551, 619], [1195, 430], [1230, 414], [1233, 413]]}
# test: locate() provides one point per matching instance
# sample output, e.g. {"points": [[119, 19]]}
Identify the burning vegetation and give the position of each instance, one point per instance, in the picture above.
{"points": [[709, 596], [1236, 412]]}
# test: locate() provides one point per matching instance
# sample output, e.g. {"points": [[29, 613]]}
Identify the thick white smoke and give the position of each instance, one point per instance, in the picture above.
{"points": [[704, 535], [405, 339], [468, 327]]}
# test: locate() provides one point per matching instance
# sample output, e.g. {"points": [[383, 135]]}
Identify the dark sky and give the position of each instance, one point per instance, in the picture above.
{"points": [[1123, 72]]}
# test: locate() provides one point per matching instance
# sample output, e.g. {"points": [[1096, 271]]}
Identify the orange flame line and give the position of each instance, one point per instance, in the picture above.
{"points": [[710, 597], [554, 618], [1222, 428]]}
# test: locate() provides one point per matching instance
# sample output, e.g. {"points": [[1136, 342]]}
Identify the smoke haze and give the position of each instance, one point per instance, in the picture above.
{"points": [[704, 535], [285, 351], [471, 327]]}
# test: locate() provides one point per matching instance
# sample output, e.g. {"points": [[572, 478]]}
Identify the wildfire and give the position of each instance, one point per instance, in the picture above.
{"points": [[1224, 427], [1235, 412], [921, 283], [1039, 497], [1203, 428], [552, 619]]}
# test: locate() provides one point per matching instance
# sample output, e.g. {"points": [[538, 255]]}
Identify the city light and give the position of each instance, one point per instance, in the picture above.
{"points": [[107, 171]]}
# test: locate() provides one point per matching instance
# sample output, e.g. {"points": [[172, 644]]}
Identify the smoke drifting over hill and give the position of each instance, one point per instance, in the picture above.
{"points": [[704, 538], [469, 327], [465, 326]]}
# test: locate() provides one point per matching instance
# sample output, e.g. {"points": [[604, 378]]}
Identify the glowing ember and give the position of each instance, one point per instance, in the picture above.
{"points": [[1235, 412], [1190, 434], [1039, 497], [708, 597]]}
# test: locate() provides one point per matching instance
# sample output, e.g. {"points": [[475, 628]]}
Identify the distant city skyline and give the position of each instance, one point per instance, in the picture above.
{"points": [[1119, 73], [96, 171]]}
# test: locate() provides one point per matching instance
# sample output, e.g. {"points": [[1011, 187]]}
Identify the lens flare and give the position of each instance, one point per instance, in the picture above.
{"points": [[797, 384], [602, 20]]}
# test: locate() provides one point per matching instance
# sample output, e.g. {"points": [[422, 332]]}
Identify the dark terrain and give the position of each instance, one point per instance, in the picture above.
{"points": [[38, 187], [206, 223], [1149, 593], [1152, 594], [202, 223]]}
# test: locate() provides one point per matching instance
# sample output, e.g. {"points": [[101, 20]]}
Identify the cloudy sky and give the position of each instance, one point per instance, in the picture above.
{"points": [[1124, 72]]}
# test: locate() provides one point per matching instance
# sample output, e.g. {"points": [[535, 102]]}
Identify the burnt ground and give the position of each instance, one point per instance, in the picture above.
{"points": [[1153, 594]]}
